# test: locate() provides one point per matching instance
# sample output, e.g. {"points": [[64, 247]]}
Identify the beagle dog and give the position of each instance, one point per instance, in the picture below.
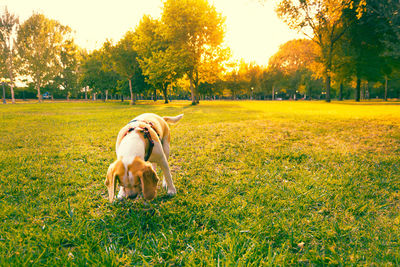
{"points": [[143, 140]]}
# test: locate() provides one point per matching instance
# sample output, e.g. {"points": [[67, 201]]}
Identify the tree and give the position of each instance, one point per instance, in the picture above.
{"points": [[389, 29], [233, 83], [271, 79], [70, 57], [296, 61], [322, 21], [194, 31], [363, 52], [125, 62], [155, 55], [366, 46], [388, 11], [40, 41], [9, 24], [96, 73]]}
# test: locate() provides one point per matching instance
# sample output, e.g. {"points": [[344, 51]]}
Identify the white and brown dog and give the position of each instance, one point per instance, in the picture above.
{"points": [[145, 138]]}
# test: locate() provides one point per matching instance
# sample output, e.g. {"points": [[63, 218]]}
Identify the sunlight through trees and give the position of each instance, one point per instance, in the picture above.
{"points": [[351, 51]]}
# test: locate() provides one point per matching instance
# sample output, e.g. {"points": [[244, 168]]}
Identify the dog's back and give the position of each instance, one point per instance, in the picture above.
{"points": [[160, 124]]}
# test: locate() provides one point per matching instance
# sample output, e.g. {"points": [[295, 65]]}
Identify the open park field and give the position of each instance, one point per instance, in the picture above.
{"points": [[259, 183]]}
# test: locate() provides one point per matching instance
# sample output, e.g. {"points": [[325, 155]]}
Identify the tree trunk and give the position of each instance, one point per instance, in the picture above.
{"points": [[4, 94], [362, 92], [132, 102], [386, 88], [106, 95], [273, 92], [155, 95], [86, 92], [197, 94], [39, 96], [192, 92], [11, 74], [196, 87], [165, 92], [68, 96], [328, 72], [328, 87], [12, 93], [341, 91], [358, 90], [94, 96]]}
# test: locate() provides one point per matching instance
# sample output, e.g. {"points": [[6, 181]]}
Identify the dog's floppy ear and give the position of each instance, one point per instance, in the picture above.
{"points": [[149, 182], [112, 178]]}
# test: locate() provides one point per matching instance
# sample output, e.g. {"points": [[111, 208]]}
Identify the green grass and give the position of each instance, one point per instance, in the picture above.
{"points": [[259, 183]]}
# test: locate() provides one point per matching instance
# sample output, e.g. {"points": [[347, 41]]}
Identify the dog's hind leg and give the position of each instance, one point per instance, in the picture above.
{"points": [[154, 165], [165, 146]]}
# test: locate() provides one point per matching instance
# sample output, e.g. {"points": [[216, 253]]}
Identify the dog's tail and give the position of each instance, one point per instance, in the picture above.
{"points": [[173, 119]]}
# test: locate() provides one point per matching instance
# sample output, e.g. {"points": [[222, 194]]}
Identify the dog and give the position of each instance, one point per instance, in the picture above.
{"points": [[144, 139]]}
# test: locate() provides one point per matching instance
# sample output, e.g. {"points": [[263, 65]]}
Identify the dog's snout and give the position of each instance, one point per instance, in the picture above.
{"points": [[132, 196]]}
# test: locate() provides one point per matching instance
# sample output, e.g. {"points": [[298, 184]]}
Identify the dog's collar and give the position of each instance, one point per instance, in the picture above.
{"points": [[146, 122], [147, 135]]}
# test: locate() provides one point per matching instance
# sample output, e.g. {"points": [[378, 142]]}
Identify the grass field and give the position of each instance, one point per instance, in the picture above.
{"points": [[259, 183]]}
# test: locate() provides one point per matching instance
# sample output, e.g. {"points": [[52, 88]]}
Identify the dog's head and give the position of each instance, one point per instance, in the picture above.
{"points": [[138, 177]]}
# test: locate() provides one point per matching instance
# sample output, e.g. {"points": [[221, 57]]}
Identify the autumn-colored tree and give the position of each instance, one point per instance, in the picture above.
{"points": [[9, 24], [322, 21], [294, 55], [296, 61], [40, 41], [194, 31]]}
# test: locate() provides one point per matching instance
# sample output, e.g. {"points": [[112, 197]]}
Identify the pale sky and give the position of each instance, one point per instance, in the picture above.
{"points": [[253, 31]]}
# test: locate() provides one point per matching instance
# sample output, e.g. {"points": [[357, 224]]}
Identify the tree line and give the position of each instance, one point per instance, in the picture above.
{"points": [[351, 51]]}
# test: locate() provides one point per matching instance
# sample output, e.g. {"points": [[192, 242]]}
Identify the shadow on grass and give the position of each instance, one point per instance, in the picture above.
{"points": [[369, 103]]}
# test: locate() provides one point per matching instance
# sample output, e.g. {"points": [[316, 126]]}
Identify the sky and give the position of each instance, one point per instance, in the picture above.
{"points": [[253, 30]]}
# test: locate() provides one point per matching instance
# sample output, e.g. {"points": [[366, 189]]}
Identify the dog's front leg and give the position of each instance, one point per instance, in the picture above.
{"points": [[164, 183], [167, 176]]}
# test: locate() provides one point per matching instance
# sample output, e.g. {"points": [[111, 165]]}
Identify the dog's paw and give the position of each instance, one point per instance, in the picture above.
{"points": [[171, 192], [164, 184]]}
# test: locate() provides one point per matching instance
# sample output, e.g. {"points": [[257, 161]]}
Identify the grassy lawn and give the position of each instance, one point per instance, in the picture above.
{"points": [[259, 183]]}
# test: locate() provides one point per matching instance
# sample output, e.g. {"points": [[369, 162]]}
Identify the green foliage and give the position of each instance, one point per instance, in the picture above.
{"points": [[389, 26], [97, 73], [194, 31], [9, 24], [124, 60], [322, 21], [68, 78], [259, 183], [155, 55], [363, 52], [40, 42]]}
